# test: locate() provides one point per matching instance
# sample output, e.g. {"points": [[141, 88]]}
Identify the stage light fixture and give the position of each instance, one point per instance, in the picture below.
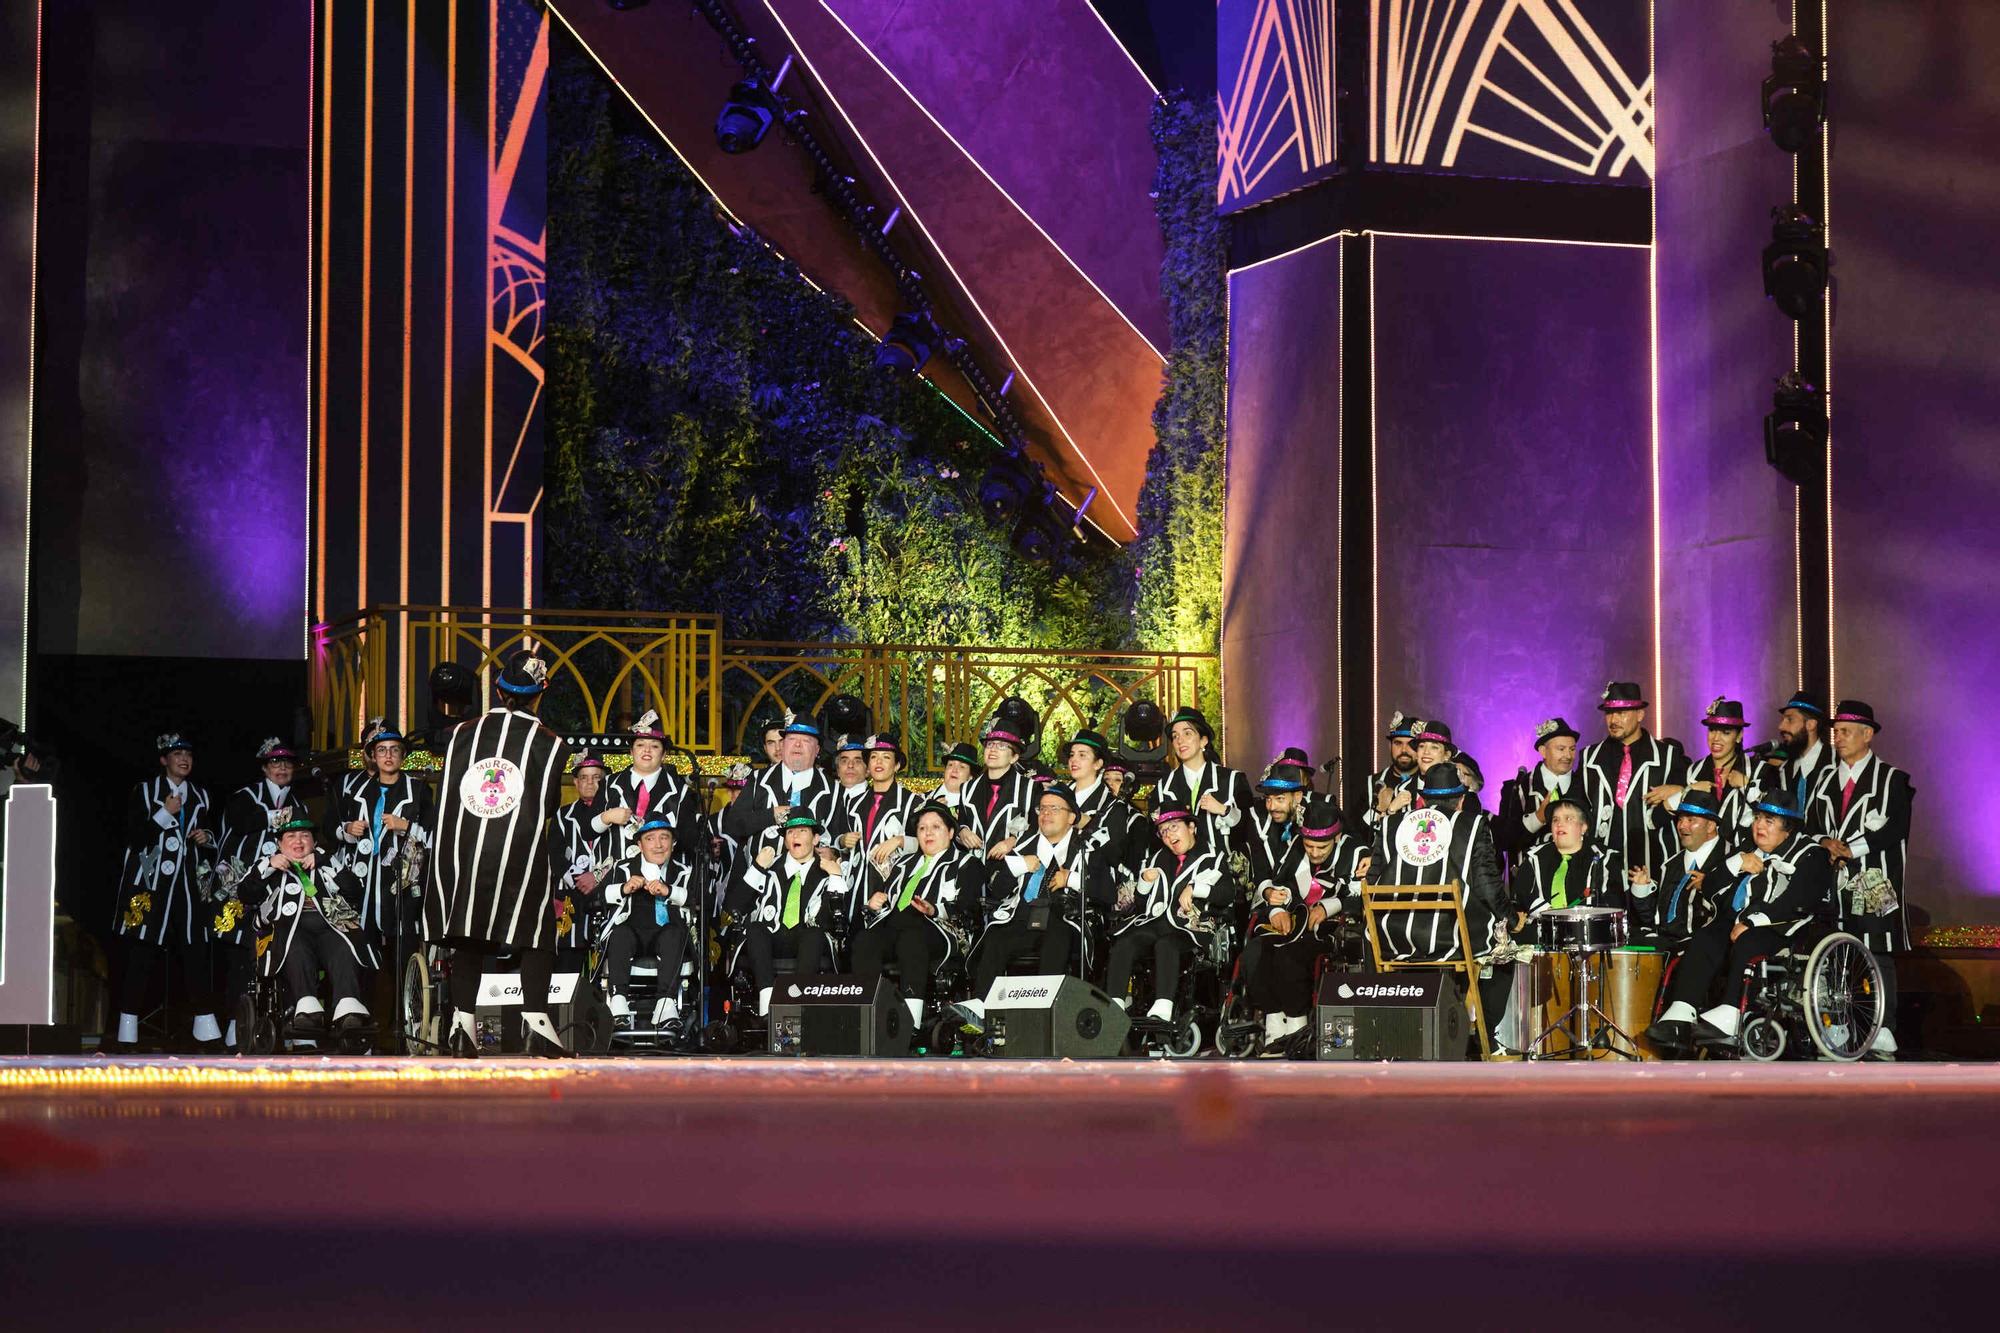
{"points": [[750, 111], [907, 345], [1795, 262], [1143, 723], [1007, 487], [1794, 95], [1795, 431]]}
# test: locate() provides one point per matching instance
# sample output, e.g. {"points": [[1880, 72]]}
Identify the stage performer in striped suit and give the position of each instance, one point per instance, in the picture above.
{"points": [[495, 863]]}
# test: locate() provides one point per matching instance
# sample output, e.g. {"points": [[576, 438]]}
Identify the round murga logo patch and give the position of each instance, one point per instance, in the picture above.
{"points": [[491, 788], [1424, 837]]}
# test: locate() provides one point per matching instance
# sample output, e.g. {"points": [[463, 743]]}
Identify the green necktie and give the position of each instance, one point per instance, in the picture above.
{"points": [[306, 880], [791, 917], [1558, 894], [910, 884]]}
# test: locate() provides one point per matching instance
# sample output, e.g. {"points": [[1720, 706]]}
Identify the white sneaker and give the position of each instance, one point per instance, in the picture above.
{"points": [[1163, 1010]]}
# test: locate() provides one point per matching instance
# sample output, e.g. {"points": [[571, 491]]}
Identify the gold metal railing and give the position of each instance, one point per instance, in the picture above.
{"points": [[605, 667], [610, 666]]}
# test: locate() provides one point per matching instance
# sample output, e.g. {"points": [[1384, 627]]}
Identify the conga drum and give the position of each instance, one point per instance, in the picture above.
{"points": [[1632, 980]]}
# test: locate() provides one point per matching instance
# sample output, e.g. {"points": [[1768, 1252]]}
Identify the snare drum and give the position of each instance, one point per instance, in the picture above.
{"points": [[1579, 929]]}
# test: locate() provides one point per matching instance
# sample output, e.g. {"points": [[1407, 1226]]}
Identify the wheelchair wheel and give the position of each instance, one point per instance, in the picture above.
{"points": [[1763, 1038], [1842, 997], [719, 1038], [1186, 1041], [245, 1018], [942, 1036], [263, 1038], [418, 1005], [1237, 1034], [593, 1027]]}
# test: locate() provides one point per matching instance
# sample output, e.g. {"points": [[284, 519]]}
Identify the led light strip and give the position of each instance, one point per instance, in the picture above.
{"points": [[643, 115], [1374, 536], [945, 259], [1122, 49], [1826, 373], [1653, 353], [199, 1077], [1514, 240], [1297, 249], [980, 168]]}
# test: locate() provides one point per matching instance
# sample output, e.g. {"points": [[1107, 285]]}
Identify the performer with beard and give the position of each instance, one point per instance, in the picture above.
{"points": [[1800, 753], [1621, 770], [1387, 788], [1315, 885]]}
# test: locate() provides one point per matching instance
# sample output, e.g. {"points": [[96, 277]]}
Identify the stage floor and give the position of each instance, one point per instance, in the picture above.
{"points": [[377, 1193]]}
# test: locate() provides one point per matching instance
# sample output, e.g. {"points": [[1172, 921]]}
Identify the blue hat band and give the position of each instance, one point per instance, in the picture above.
{"points": [[1282, 784], [1442, 791], [530, 688], [1781, 812]]}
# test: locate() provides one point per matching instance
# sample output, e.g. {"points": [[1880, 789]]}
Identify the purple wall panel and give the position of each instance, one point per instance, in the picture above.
{"points": [[1281, 543], [1512, 406], [1728, 594], [172, 363], [1916, 395]]}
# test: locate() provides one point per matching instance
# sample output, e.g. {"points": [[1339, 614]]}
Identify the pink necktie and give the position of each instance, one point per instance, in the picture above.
{"points": [[1624, 776], [1846, 797], [645, 799]]}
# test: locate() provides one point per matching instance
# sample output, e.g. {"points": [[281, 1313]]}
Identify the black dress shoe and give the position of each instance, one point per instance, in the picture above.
{"points": [[1671, 1032], [309, 1025], [1708, 1034], [537, 1047], [348, 1025], [461, 1045]]}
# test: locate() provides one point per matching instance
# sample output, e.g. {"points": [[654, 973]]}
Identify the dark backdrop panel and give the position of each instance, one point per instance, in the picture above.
{"points": [[1728, 592], [1281, 662], [1513, 484], [1916, 394], [171, 511], [17, 178]]}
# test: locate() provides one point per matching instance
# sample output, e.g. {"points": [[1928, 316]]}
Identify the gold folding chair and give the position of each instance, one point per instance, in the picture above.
{"points": [[1378, 900]]}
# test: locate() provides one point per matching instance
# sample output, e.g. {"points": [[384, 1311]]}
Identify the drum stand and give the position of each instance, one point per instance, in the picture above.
{"points": [[1576, 1024]]}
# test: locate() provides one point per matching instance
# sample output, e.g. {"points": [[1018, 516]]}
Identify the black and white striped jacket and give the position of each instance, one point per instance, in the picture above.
{"points": [[160, 902], [1876, 828]]}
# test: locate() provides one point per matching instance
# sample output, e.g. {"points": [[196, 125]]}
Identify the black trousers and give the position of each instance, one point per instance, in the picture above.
{"points": [[537, 965], [1001, 944], [141, 956], [239, 966], [1277, 975], [1709, 952], [909, 938], [635, 938], [315, 948], [1169, 946], [762, 947]]}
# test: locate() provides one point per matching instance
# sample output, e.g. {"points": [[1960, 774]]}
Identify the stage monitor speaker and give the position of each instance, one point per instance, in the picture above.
{"points": [[1389, 1016], [838, 1015], [1055, 1017]]}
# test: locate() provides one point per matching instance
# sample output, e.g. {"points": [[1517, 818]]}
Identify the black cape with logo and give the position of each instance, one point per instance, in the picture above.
{"points": [[495, 864]]}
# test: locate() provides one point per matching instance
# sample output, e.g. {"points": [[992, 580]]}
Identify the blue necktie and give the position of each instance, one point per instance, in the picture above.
{"points": [[1674, 903], [1742, 898], [381, 800], [1034, 889], [659, 911]]}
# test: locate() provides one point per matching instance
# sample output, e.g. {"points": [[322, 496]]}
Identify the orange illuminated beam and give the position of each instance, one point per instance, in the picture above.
{"points": [[450, 282], [367, 292], [325, 278], [409, 231]]}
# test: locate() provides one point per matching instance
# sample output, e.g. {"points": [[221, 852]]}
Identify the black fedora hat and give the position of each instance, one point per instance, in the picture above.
{"points": [[1853, 710], [1725, 713], [1621, 695], [1554, 728], [1699, 801], [1442, 782], [1806, 702]]}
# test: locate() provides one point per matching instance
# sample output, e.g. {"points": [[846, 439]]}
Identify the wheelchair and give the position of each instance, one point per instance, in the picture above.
{"points": [[1207, 984], [264, 1023], [1239, 1033], [1820, 1000], [593, 1028]]}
